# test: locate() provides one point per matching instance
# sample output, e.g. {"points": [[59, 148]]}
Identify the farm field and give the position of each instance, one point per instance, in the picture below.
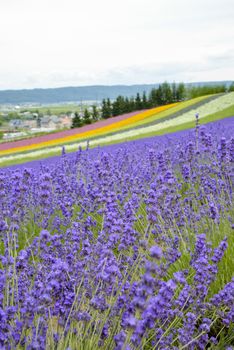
{"points": [[55, 109], [100, 128], [128, 246], [130, 126]]}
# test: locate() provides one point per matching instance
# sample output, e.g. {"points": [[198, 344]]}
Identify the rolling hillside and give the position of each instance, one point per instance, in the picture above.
{"points": [[81, 93], [130, 126]]}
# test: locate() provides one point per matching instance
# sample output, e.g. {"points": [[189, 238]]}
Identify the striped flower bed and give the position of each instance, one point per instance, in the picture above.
{"points": [[101, 128], [113, 130]]}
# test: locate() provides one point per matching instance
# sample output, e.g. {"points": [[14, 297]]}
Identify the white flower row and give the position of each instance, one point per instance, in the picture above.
{"points": [[45, 151]]}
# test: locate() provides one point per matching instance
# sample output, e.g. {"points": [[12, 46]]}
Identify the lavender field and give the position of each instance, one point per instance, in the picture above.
{"points": [[129, 246]]}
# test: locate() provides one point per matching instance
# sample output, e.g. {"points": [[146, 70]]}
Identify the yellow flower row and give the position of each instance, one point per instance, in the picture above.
{"points": [[91, 133]]}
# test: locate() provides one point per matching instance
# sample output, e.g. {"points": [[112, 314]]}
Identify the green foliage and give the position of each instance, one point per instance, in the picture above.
{"points": [[231, 87], [120, 106], [106, 109], [76, 122], [109, 108], [12, 115], [57, 109], [144, 101], [95, 114], [166, 95], [196, 91], [138, 102], [87, 117], [180, 92]]}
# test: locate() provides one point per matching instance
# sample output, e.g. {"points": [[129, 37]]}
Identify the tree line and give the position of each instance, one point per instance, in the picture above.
{"points": [[162, 95], [87, 118]]}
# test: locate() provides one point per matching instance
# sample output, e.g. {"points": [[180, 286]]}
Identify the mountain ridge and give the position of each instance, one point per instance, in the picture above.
{"points": [[81, 93]]}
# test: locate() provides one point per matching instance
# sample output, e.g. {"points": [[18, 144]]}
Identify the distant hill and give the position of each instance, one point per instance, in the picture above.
{"points": [[78, 94]]}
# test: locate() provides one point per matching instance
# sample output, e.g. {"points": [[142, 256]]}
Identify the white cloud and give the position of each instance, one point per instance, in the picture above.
{"points": [[47, 43]]}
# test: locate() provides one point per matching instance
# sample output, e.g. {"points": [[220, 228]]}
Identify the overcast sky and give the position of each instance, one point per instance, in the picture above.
{"points": [[52, 43]]}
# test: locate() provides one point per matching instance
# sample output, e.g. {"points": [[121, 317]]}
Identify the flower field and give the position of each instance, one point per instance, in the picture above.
{"points": [[124, 247], [87, 132], [205, 109], [126, 127]]}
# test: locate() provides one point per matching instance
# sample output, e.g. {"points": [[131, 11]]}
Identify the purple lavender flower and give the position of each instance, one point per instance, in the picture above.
{"points": [[156, 252], [112, 244]]}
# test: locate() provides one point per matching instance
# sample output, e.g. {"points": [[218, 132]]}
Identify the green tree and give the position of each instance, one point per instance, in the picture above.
{"points": [[109, 108], [95, 114], [106, 109], [132, 105], [231, 87], [144, 101], [12, 115], [174, 91], [116, 107], [87, 117], [138, 102], [76, 122], [180, 92], [196, 91], [127, 107], [120, 106], [166, 93], [157, 97], [152, 98], [104, 112]]}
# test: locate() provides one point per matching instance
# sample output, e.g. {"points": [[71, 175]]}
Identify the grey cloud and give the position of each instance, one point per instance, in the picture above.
{"points": [[224, 58], [197, 70]]}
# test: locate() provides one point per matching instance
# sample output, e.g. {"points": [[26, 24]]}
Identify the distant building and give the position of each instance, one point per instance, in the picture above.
{"points": [[15, 124], [65, 121], [50, 121], [44, 122], [29, 124], [32, 121]]}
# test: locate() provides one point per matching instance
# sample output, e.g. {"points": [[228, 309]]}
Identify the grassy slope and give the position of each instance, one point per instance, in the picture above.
{"points": [[169, 112], [144, 122], [147, 121], [227, 112], [180, 107], [55, 109]]}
